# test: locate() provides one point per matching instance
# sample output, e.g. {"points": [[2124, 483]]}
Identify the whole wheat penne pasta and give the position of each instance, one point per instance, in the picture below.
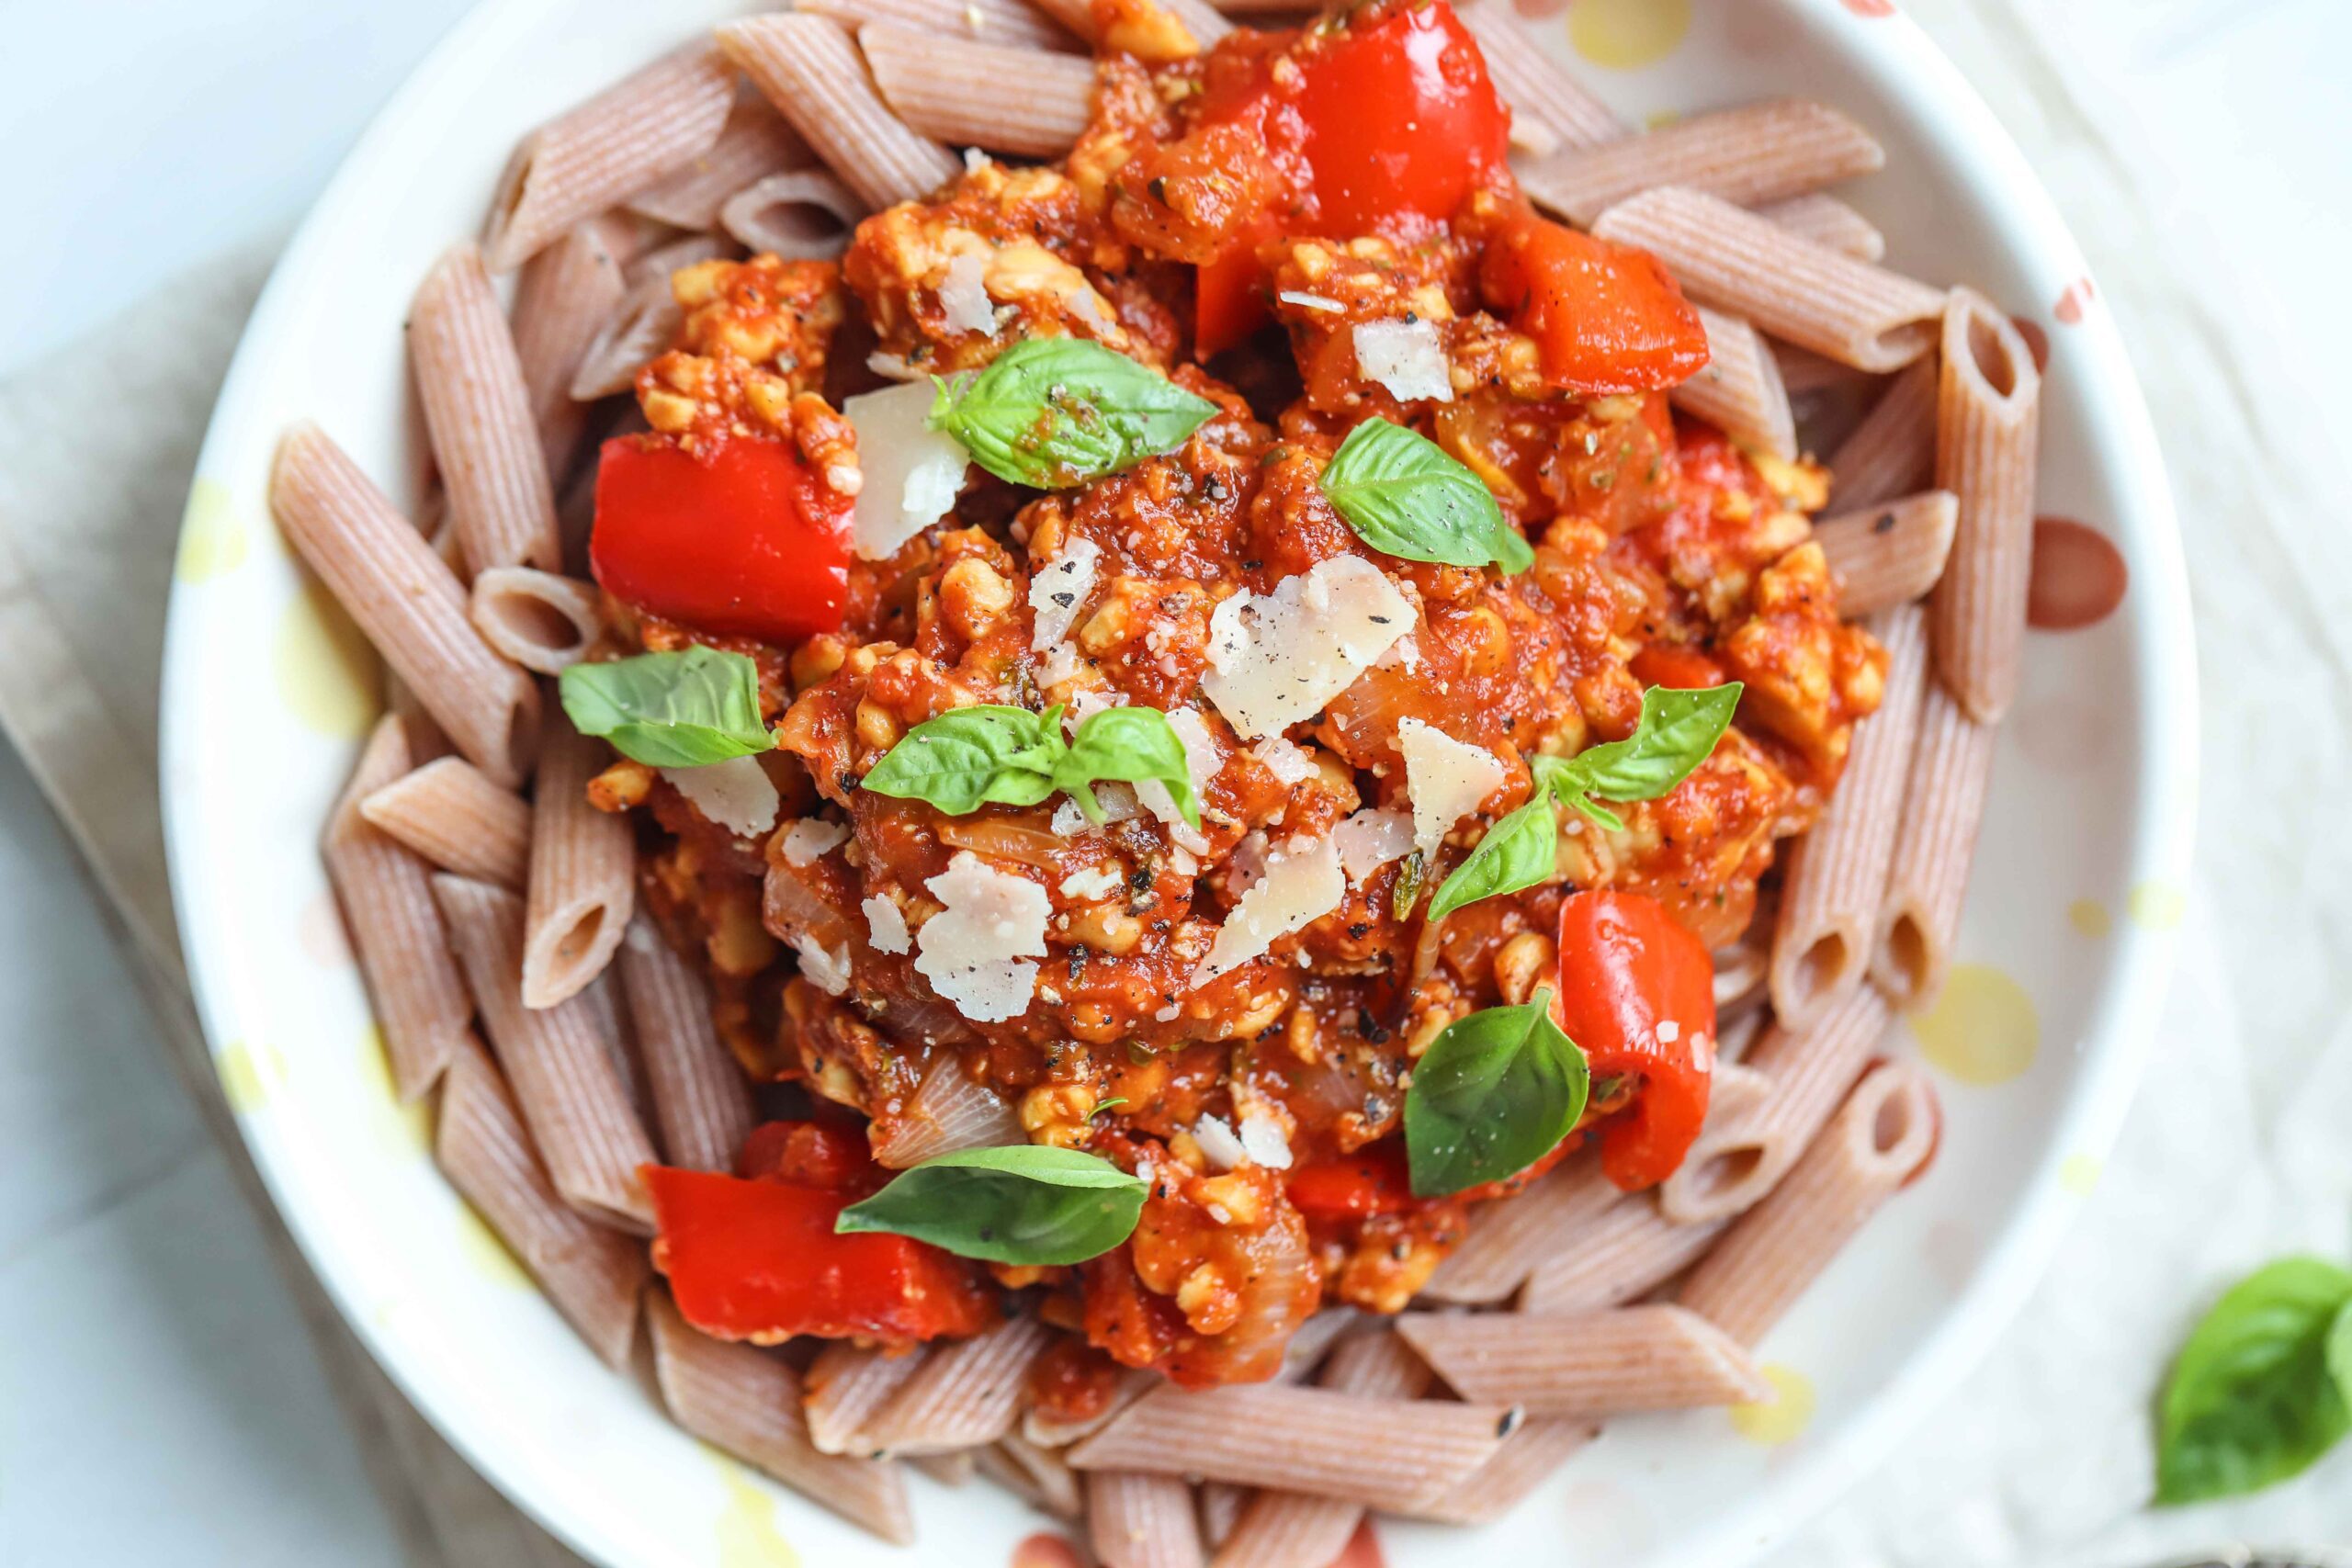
{"points": [[573, 1097], [1889, 553], [602, 997], [1590, 1364], [1536, 1448], [948, 1470], [756, 143], [1040, 1474], [804, 214], [1301, 1440], [1627, 1251], [1798, 1077], [1506, 1240], [1926, 883], [563, 297], [1988, 425], [1739, 390], [1532, 84], [1221, 1503], [643, 327], [1729, 258], [702, 1103], [1205, 22], [746, 1401], [621, 142], [1740, 975], [595, 1276], [544, 622], [1825, 220], [1736, 1096], [1138, 1520], [447, 812], [1049, 1431], [1880, 1138], [386, 898], [665, 261], [1313, 1340], [1008, 24], [1893, 451], [847, 1383], [1737, 1036], [1804, 372], [963, 1396], [949, 1111], [1755, 154], [813, 74], [582, 882], [1836, 876], [1025, 101], [410, 605]]}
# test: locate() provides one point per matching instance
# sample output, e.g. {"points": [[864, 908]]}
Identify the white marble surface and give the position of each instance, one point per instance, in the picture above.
{"points": [[158, 1400]]}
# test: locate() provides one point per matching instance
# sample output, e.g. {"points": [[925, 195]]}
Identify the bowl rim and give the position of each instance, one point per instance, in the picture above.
{"points": [[1943, 108]]}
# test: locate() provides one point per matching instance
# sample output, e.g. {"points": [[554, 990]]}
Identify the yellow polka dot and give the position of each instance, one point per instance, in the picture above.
{"points": [[1661, 120], [487, 1253], [1624, 35], [1784, 1416], [326, 672], [2089, 917], [2155, 905], [213, 542], [2079, 1174], [1982, 1028], [247, 1075], [404, 1129], [748, 1536]]}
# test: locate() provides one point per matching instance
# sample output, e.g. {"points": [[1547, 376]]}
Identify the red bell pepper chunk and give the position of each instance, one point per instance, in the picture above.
{"points": [[1607, 319], [741, 541], [1373, 1180], [1630, 972]]}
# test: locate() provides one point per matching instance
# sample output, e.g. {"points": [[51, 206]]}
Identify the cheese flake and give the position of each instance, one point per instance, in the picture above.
{"points": [[1276, 659], [1406, 357], [1094, 882], [811, 839], [1289, 763], [1301, 884], [964, 302], [911, 472], [827, 968], [1446, 778], [737, 794], [975, 952], [1370, 839], [886, 926], [1219, 1143], [1263, 1141], [1058, 592], [1201, 761]]}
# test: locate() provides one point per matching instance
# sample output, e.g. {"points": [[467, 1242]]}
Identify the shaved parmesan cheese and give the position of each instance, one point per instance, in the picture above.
{"points": [[827, 968], [1061, 663], [735, 794], [1201, 761], [1094, 882], [1263, 1141], [1370, 839], [893, 367], [963, 298], [1290, 764], [1447, 779], [1068, 822], [1303, 883], [1306, 301], [975, 951], [805, 840], [1406, 357], [1057, 592], [1276, 659], [911, 472], [1217, 1142], [885, 928], [1406, 654]]}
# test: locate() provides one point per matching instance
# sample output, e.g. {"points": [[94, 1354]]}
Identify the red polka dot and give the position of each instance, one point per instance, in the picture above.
{"points": [[2074, 302], [2036, 340], [1871, 7], [2078, 576], [1362, 1549], [1046, 1550]]}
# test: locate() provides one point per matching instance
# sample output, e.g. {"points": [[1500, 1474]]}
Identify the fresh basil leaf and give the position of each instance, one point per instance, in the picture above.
{"points": [[1056, 412], [1403, 493], [1026, 1203], [2252, 1399], [1678, 730], [966, 758], [1493, 1094], [684, 710], [1129, 744], [1517, 852], [1558, 776]]}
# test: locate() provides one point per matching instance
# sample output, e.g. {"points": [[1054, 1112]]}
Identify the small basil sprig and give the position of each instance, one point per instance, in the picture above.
{"points": [[1494, 1093], [1517, 852], [1402, 494], [1056, 412], [967, 758], [1026, 1203], [2263, 1387], [684, 710]]}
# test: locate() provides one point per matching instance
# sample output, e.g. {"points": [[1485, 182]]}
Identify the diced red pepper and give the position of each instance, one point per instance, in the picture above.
{"points": [[1607, 319], [1373, 1180], [1676, 665], [1637, 992], [808, 1153]]}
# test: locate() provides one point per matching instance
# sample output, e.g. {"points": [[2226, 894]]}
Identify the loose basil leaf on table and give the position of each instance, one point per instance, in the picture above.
{"points": [[1130, 744], [1517, 852], [1052, 412], [966, 758], [682, 709], [2256, 1394], [1027, 1203], [1403, 494], [1496, 1092]]}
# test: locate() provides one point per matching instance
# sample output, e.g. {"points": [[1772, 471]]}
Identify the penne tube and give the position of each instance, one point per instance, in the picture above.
{"points": [[1989, 418], [1139, 1520], [410, 605], [747, 1401], [1740, 975], [574, 1096], [950, 1111], [386, 893], [813, 74], [563, 297], [1739, 390], [1039, 1474], [1730, 259], [1532, 84], [1540, 1445], [1054, 1432], [582, 881], [1804, 372], [1221, 1503], [756, 143], [1825, 220], [642, 327], [1888, 554], [1587, 1365], [544, 622], [1301, 1439], [1836, 877], [622, 140], [948, 1470], [847, 1385], [1506, 1240], [1202, 20], [1023, 101], [1757, 153], [1626, 1252], [1893, 451], [803, 214], [1881, 1138], [701, 1102], [1008, 24], [963, 1396], [447, 812], [1943, 807], [595, 1276]]}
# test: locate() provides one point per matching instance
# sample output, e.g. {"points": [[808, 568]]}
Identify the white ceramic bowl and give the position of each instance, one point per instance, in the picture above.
{"points": [[2083, 861]]}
